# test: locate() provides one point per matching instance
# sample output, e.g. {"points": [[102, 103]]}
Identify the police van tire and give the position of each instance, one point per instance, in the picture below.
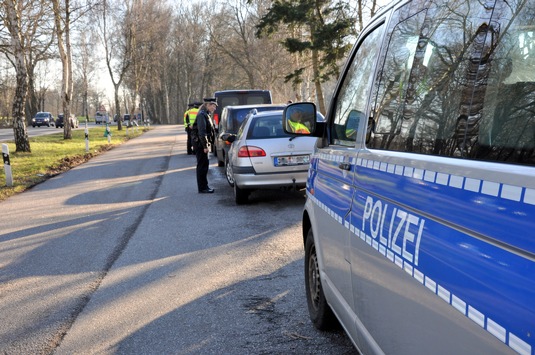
{"points": [[319, 310], [240, 195]]}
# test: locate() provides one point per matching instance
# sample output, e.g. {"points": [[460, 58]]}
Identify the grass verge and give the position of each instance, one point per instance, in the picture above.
{"points": [[52, 155]]}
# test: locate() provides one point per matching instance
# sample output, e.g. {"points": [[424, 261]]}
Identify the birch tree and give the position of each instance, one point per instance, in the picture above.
{"points": [[12, 16], [62, 20]]}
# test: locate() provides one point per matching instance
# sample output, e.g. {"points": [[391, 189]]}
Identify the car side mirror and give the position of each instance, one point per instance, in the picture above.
{"points": [[228, 137], [301, 119]]}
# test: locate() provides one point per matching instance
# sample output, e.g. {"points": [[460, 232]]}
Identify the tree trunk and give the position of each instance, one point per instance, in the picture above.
{"points": [[64, 47], [22, 142], [317, 82], [31, 101], [118, 108]]}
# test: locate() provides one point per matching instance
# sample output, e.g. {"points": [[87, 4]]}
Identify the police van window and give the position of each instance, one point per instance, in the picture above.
{"points": [[354, 92], [506, 130], [440, 99], [390, 111]]}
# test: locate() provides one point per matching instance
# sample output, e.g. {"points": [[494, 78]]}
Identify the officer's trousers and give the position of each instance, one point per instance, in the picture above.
{"points": [[202, 168], [190, 148]]}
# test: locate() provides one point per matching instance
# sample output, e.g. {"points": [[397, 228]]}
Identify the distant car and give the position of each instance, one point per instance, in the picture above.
{"points": [[231, 119], [263, 156], [101, 117], [72, 119], [43, 119]]}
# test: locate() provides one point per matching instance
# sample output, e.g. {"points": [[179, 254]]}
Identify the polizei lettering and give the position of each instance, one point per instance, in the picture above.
{"points": [[398, 230]]}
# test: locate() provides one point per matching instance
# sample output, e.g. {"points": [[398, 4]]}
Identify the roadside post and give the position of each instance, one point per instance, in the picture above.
{"points": [[86, 138], [7, 165]]}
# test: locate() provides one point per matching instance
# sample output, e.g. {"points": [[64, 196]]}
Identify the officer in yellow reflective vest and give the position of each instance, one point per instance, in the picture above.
{"points": [[189, 120], [296, 121]]}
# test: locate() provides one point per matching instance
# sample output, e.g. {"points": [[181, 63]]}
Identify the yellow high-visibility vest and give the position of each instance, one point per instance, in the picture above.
{"points": [[298, 127], [192, 115]]}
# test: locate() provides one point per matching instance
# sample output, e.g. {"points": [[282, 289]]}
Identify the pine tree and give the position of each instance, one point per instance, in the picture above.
{"points": [[318, 30]]}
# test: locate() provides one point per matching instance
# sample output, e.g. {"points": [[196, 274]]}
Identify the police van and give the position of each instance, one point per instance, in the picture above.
{"points": [[419, 223]]}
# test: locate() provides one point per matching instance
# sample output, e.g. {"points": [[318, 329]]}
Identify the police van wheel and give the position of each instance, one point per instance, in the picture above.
{"points": [[240, 195], [319, 310]]}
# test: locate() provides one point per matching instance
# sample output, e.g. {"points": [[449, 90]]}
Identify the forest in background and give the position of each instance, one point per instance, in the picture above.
{"points": [[158, 56]]}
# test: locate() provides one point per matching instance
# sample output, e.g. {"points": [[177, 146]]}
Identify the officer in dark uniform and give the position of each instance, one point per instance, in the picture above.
{"points": [[202, 130]]}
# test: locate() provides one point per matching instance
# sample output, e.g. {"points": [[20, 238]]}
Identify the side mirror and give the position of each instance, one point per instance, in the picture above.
{"points": [[300, 119], [228, 137]]}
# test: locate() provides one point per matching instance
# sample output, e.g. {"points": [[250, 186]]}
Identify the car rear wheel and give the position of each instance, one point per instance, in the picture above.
{"points": [[319, 310], [228, 173], [241, 195]]}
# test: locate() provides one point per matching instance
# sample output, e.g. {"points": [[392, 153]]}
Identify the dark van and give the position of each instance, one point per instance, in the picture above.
{"points": [[239, 97], [419, 222]]}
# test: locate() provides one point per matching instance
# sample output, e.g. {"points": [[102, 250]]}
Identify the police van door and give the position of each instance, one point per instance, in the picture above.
{"points": [[333, 185], [414, 261]]}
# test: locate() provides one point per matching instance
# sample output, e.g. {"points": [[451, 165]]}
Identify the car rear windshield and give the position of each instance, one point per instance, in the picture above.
{"points": [[267, 127], [238, 116]]}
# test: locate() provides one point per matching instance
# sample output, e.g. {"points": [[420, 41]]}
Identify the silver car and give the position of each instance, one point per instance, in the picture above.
{"points": [[263, 156]]}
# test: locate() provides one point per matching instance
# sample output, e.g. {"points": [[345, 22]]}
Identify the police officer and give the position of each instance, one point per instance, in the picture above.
{"points": [[189, 120], [202, 130], [296, 121]]}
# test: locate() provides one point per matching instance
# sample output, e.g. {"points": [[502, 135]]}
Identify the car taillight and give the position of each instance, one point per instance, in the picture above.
{"points": [[216, 118], [251, 152]]}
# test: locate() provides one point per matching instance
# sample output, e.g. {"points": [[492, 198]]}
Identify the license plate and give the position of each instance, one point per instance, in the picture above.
{"points": [[292, 160]]}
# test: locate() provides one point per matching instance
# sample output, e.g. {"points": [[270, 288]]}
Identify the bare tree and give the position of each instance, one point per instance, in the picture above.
{"points": [[40, 38], [6, 91], [116, 36], [187, 55], [37, 37], [12, 17], [85, 68], [62, 19], [150, 24]]}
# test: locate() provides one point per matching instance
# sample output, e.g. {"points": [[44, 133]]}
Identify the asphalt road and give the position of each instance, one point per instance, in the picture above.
{"points": [[123, 256], [6, 134]]}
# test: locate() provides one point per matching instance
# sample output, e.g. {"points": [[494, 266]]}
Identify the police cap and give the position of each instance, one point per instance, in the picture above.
{"points": [[191, 104], [210, 100], [197, 104]]}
